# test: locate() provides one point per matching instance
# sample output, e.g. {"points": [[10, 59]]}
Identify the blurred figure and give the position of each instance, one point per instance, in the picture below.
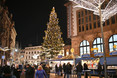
{"points": [[85, 68], [79, 69], [40, 73], [47, 70], [17, 71], [60, 70], [32, 71], [64, 69], [28, 71], [7, 72], [68, 69], [56, 70], [99, 70]]}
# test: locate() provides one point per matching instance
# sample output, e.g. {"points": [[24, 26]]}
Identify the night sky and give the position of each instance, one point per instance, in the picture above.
{"points": [[31, 17]]}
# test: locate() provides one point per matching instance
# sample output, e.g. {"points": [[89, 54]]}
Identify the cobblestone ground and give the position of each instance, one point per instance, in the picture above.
{"points": [[52, 75]]}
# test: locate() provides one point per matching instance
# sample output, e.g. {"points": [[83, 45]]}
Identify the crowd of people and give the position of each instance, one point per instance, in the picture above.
{"points": [[29, 71], [43, 70]]}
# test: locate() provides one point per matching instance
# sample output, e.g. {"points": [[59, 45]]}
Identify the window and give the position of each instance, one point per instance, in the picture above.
{"points": [[86, 26], [98, 23], [104, 24], [83, 28], [82, 14], [79, 14], [90, 26], [97, 43], [85, 12], [112, 42], [79, 21], [108, 22], [94, 17], [84, 47], [82, 20], [79, 29], [89, 18], [113, 20], [86, 19], [94, 24]]}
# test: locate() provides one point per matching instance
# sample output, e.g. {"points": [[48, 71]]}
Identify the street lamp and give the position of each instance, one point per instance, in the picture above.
{"points": [[3, 57]]}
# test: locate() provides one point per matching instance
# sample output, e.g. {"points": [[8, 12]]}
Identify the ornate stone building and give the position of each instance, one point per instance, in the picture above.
{"points": [[33, 55], [7, 30], [83, 27]]}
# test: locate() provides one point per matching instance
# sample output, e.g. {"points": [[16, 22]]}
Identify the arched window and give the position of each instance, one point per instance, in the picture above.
{"points": [[84, 47], [112, 42], [97, 43]]}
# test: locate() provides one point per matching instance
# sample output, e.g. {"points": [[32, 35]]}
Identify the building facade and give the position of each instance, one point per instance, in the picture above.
{"points": [[7, 30], [33, 55], [83, 27]]}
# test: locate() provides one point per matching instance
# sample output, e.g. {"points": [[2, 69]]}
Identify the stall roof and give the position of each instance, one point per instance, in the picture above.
{"points": [[79, 59], [109, 61]]}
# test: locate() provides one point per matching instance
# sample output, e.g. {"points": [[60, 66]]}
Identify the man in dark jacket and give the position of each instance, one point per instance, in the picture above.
{"points": [[99, 70], [68, 69], [64, 69], [79, 69]]}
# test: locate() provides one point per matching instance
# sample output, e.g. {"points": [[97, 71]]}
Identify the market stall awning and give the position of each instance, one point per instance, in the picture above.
{"points": [[98, 54], [109, 60], [113, 53], [85, 55]]}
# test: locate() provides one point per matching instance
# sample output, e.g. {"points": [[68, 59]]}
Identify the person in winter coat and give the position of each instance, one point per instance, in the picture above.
{"points": [[56, 69], [99, 70], [79, 69], [28, 71], [60, 70], [68, 69], [40, 73], [32, 71], [47, 70], [64, 69], [17, 71], [85, 68]]}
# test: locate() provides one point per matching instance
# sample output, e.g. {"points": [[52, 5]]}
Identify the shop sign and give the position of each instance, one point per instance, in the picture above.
{"points": [[59, 56], [98, 54], [113, 53], [86, 55]]}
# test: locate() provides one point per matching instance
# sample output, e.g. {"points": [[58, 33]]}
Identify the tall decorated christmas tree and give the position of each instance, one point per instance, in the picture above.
{"points": [[53, 43]]}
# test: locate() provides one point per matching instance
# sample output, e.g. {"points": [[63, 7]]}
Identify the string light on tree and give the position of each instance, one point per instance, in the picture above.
{"points": [[52, 39]]}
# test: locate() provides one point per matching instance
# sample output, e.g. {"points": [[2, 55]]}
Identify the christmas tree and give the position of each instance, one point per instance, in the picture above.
{"points": [[53, 43]]}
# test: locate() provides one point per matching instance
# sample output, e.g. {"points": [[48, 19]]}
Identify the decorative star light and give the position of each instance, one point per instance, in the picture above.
{"points": [[94, 5], [35, 56]]}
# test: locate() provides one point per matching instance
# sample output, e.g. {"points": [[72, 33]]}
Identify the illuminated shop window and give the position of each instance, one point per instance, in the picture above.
{"points": [[97, 43], [84, 47], [112, 42]]}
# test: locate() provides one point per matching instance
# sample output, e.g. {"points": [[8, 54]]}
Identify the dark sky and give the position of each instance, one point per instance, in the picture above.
{"points": [[31, 17]]}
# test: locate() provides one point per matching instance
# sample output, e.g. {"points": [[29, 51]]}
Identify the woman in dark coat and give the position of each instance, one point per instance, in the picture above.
{"points": [[47, 70], [60, 69], [99, 70], [79, 69], [56, 69], [68, 70], [17, 71], [64, 69], [86, 68]]}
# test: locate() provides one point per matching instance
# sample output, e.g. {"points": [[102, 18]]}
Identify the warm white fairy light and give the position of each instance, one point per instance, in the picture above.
{"points": [[93, 5]]}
